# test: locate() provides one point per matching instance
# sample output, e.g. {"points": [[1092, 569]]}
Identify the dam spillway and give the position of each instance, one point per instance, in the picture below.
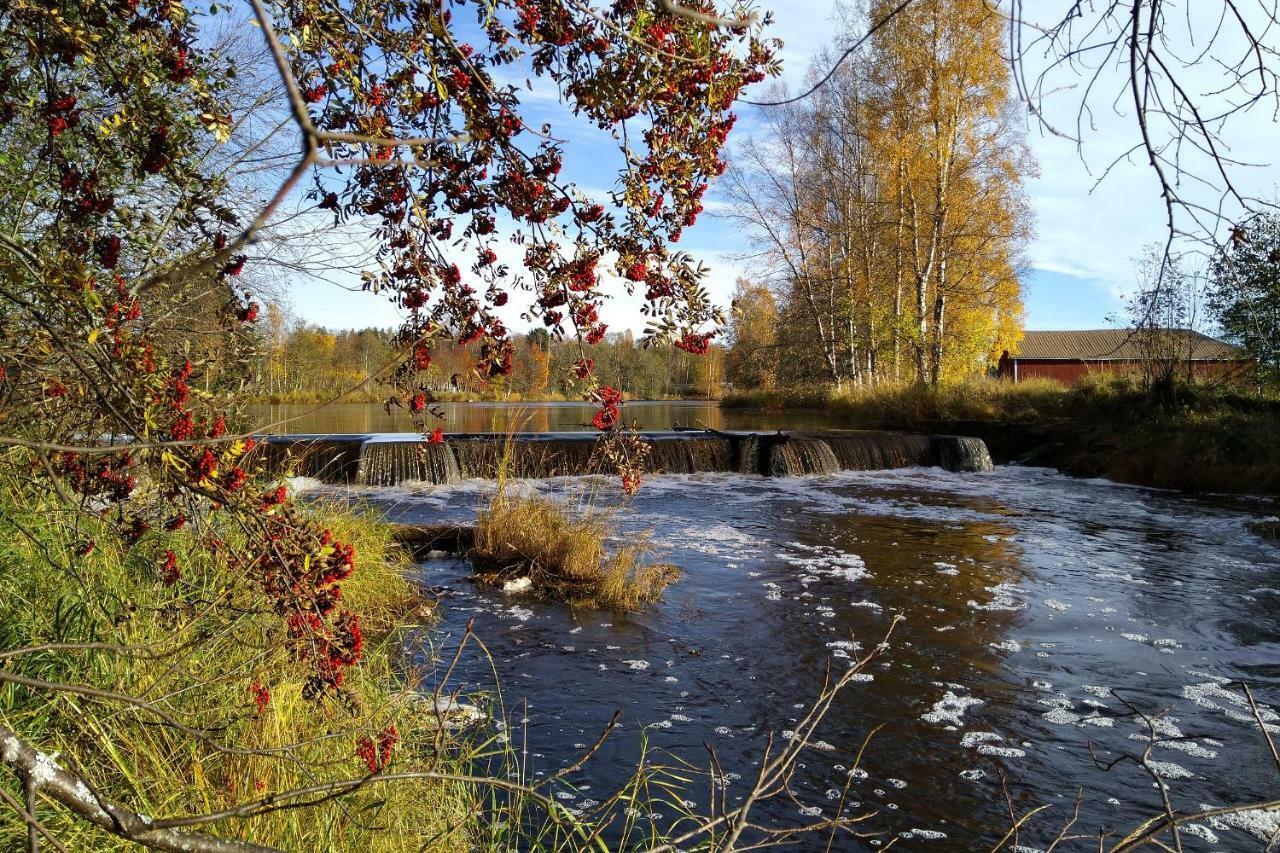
{"points": [[391, 459]]}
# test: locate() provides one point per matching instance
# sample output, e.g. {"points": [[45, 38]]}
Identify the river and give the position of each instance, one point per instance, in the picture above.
{"points": [[1040, 612]]}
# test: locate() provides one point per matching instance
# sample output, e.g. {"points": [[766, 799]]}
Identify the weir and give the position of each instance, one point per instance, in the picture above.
{"points": [[386, 463], [799, 455], [387, 460]]}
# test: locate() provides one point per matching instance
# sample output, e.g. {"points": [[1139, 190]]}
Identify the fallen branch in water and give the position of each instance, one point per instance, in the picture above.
{"points": [[422, 539]]}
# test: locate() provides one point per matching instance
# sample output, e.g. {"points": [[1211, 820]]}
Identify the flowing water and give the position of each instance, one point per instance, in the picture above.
{"points": [[1040, 610], [388, 459]]}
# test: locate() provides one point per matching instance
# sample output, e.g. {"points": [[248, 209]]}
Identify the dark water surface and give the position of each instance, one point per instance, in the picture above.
{"points": [[1034, 603], [527, 417]]}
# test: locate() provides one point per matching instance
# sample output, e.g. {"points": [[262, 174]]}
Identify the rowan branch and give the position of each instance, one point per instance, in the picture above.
{"points": [[42, 771]]}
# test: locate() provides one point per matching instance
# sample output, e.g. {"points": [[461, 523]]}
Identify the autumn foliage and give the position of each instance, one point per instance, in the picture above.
{"points": [[122, 240], [887, 208]]}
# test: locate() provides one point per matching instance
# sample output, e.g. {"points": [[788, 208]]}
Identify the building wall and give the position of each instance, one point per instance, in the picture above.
{"points": [[1068, 372]]}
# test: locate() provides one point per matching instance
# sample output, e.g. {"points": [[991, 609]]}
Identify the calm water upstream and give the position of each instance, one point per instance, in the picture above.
{"points": [[527, 417], [1034, 604]]}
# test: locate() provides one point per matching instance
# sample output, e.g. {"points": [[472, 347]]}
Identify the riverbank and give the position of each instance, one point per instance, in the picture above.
{"points": [[197, 646], [1206, 440]]}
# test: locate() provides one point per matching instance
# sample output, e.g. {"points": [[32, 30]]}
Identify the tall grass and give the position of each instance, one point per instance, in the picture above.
{"points": [[564, 553], [196, 651], [913, 406], [909, 405], [1197, 438]]}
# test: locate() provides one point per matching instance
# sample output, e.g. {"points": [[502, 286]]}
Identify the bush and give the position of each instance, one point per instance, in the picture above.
{"points": [[563, 553]]}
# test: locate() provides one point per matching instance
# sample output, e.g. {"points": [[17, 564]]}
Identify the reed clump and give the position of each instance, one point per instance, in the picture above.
{"points": [[564, 553]]}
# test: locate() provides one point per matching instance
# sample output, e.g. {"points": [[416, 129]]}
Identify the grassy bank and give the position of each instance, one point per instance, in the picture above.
{"points": [[1202, 439], [205, 652]]}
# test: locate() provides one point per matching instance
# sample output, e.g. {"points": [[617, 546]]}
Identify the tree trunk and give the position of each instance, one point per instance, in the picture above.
{"points": [[922, 325], [939, 309]]}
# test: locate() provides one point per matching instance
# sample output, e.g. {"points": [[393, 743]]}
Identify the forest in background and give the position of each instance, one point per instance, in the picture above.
{"points": [[302, 363]]}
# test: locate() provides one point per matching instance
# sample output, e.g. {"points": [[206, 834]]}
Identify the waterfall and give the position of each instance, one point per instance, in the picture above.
{"points": [[877, 451], [324, 459], [669, 457], [536, 458], [386, 463], [690, 455], [373, 462], [749, 454], [962, 453], [710, 454], [796, 457]]}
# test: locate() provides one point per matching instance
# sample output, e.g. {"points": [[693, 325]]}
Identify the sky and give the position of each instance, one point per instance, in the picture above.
{"points": [[1089, 227]]}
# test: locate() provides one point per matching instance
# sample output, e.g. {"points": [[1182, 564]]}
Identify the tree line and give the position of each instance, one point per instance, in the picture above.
{"points": [[301, 361]]}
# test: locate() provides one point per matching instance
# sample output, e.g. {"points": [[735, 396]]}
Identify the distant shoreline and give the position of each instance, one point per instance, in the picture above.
{"points": [[1206, 440], [365, 397]]}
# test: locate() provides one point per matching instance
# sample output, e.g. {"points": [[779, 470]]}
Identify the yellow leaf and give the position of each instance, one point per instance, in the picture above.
{"points": [[111, 123]]}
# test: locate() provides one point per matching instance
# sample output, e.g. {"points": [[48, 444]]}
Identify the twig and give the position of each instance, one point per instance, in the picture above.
{"points": [[28, 814], [1262, 727], [43, 773]]}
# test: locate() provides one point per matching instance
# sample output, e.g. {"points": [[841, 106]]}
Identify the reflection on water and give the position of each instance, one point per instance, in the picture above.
{"points": [[1036, 606], [525, 417]]}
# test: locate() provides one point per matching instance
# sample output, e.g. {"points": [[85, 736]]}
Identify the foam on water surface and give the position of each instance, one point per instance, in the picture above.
{"points": [[950, 708]]}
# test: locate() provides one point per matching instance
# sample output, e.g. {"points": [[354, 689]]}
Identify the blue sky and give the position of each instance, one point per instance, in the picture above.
{"points": [[1087, 231]]}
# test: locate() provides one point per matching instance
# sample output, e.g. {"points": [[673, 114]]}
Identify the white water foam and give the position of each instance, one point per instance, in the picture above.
{"points": [[950, 708]]}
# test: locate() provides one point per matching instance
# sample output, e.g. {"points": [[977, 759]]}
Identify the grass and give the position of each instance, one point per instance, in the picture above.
{"points": [[1199, 438], [199, 663], [564, 554], [912, 406]]}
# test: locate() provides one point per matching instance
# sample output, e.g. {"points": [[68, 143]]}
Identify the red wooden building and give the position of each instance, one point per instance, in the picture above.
{"points": [[1069, 355]]}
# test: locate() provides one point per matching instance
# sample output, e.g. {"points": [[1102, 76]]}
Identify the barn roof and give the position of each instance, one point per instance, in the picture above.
{"points": [[1115, 344]]}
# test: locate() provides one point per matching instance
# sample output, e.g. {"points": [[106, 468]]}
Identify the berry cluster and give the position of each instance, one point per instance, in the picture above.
{"points": [[376, 752]]}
